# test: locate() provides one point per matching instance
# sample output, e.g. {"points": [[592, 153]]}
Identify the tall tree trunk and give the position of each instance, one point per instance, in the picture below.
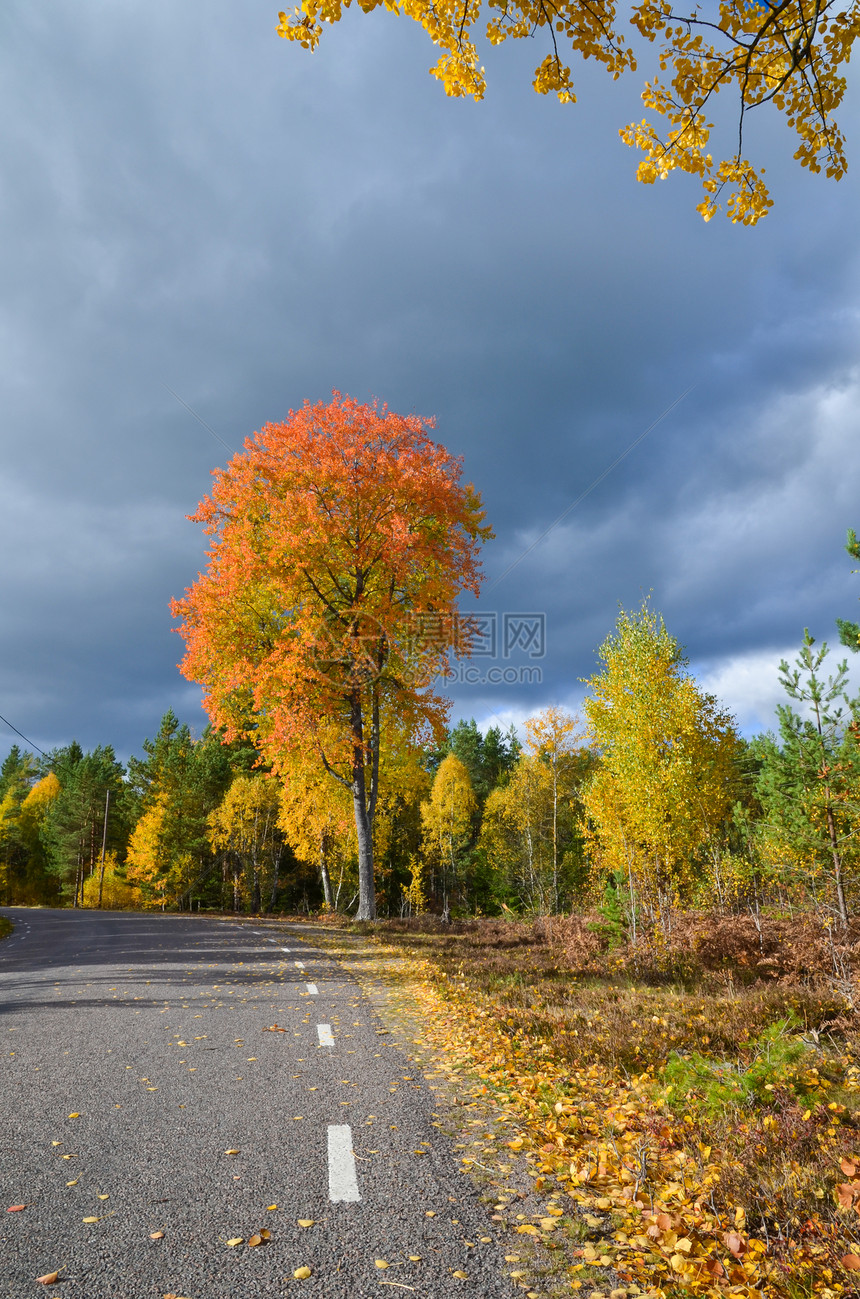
{"points": [[276, 869], [832, 833], [364, 833], [836, 855], [324, 875], [555, 834], [104, 846], [363, 817], [79, 877]]}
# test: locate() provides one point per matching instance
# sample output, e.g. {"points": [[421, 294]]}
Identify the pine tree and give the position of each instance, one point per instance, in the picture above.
{"points": [[809, 785], [849, 632]]}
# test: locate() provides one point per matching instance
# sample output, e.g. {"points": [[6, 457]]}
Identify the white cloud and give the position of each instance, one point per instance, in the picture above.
{"points": [[748, 686]]}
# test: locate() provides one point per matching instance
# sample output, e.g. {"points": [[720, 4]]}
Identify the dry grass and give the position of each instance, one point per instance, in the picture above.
{"points": [[745, 1026]]}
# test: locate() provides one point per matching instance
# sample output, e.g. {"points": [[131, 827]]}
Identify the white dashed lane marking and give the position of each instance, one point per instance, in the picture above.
{"points": [[342, 1182], [324, 1034]]}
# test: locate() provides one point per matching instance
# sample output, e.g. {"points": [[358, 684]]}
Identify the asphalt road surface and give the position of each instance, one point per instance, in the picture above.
{"points": [[143, 1088]]}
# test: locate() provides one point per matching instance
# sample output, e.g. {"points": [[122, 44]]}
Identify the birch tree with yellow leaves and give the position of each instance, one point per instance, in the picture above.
{"points": [[556, 738], [517, 836], [317, 819], [788, 55], [668, 774], [244, 826], [446, 818]]}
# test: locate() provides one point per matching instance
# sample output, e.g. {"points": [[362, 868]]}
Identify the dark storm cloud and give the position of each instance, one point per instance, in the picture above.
{"points": [[188, 201]]}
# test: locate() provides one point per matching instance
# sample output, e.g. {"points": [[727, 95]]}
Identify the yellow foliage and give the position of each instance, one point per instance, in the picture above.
{"points": [[790, 55], [314, 809], [39, 799], [415, 896], [446, 818], [245, 818], [117, 892], [34, 809], [145, 856], [245, 826], [517, 831], [667, 776]]}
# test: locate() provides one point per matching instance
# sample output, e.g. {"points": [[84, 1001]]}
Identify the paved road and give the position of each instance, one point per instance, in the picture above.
{"points": [[134, 1058]]}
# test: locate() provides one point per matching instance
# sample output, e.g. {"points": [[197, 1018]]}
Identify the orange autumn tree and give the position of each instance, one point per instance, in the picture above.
{"points": [[341, 538]]}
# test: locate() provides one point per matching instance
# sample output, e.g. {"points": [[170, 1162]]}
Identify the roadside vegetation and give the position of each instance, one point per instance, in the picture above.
{"points": [[686, 1112]]}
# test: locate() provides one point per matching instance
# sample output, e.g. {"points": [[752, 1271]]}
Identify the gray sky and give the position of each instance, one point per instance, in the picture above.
{"points": [[188, 201]]}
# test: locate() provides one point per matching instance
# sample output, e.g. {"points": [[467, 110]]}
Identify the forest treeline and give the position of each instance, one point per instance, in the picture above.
{"points": [[651, 803]]}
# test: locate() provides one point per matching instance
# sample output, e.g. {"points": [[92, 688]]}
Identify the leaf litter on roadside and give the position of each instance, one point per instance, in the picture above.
{"points": [[607, 1140]]}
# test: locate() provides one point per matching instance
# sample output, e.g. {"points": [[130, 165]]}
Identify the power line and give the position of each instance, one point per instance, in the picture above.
{"points": [[23, 736], [582, 495], [208, 427]]}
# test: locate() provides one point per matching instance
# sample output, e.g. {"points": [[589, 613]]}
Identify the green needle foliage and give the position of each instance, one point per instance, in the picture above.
{"points": [[808, 782], [849, 632]]}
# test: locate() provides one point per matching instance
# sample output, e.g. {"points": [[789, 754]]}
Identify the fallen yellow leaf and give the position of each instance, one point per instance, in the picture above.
{"points": [[74, 1183], [256, 1239], [306, 1222], [104, 1197], [49, 1278], [75, 1115], [414, 1258], [271, 1207], [231, 1152], [380, 1262], [302, 1273], [461, 1275], [156, 1235], [234, 1241]]}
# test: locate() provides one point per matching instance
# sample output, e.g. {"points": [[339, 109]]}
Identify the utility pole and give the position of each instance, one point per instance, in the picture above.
{"points": [[104, 845]]}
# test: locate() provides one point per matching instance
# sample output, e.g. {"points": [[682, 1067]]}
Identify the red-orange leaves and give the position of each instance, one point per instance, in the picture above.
{"points": [[341, 541], [336, 535]]}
